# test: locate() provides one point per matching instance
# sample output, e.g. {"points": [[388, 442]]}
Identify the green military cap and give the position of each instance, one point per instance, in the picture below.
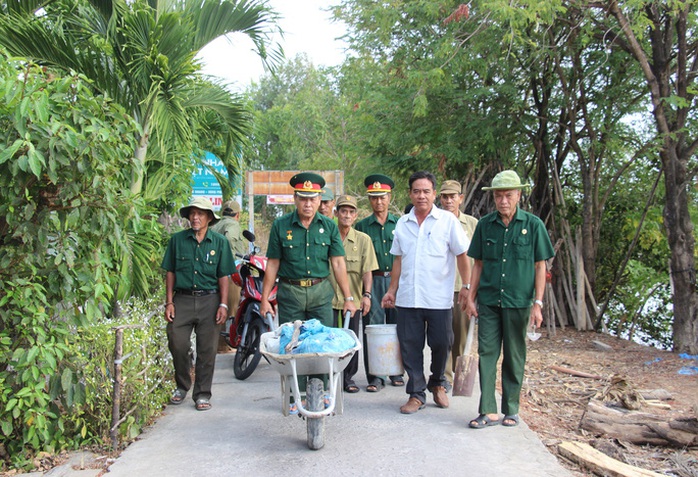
{"points": [[506, 180], [201, 203], [307, 184], [378, 184], [346, 200], [327, 194], [451, 187], [230, 207]]}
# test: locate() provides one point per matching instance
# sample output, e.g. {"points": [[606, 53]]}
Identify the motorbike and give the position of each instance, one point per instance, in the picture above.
{"points": [[244, 329]]}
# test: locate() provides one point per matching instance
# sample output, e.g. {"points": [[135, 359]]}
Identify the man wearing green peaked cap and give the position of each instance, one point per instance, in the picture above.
{"points": [[198, 263], [380, 226], [301, 246], [509, 247]]}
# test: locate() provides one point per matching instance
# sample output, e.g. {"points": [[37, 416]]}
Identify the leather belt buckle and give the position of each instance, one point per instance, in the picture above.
{"points": [[306, 282]]}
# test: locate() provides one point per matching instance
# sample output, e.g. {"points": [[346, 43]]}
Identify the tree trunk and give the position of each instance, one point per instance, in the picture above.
{"points": [[639, 427]]}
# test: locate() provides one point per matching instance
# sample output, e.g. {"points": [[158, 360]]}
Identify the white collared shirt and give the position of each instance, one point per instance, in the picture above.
{"points": [[428, 255]]}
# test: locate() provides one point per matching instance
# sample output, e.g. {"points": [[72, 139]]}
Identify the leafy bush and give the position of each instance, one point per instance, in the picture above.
{"points": [[146, 365], [68, 225]]}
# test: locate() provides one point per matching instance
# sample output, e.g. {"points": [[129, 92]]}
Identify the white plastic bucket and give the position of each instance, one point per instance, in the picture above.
{"points": [[383, 349]]}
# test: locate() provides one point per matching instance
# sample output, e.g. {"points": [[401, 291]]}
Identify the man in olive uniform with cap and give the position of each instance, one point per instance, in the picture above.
{"points": [[301, 246], [510, 247], [361, 262], [451, 198], [229, 226], [380, 226], [327, 203], [198, 262]]}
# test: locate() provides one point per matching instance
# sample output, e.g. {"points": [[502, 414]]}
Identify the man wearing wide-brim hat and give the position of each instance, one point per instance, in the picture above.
{"points": [[302, 244], [380, 226], [198, 263], [509, 247]]}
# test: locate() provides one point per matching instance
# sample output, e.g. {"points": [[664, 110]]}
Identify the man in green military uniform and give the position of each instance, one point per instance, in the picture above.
{"points": [[451, 197], [198, 262], [510, 247], [327, 203], [380, 226], [229, 226], [301, 246], [361, 262]]}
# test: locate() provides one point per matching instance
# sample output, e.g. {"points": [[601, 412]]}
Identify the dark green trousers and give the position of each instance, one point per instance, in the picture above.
{"points": [[501, 331], [305, 303]]}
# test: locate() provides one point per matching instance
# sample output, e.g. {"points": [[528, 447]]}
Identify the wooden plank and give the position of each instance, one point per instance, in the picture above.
{"points": [[600, 463]]}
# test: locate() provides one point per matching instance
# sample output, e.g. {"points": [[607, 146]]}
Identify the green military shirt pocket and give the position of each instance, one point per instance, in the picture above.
{"points": [[292, 250], [490, 250], [521, 246], [320, 247], [184, 264]]}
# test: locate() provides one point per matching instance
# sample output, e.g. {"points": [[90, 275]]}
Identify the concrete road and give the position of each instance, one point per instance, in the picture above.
{"points": [[245, 434]]}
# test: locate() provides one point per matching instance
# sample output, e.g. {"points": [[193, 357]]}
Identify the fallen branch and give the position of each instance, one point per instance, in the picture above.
{"points": [[600, 463], [574, 372]]}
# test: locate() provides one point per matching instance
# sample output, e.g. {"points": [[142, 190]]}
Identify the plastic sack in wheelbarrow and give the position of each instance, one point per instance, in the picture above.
{"points": [[315, 337]]}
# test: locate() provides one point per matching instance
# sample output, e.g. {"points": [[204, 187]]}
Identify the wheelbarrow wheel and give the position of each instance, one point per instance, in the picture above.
{"points": [[315, 401]]}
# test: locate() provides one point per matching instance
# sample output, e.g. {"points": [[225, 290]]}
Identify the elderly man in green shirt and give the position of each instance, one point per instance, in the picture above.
{"points": [[198, 262], [510, 247], [380, 226], [301, 246]]}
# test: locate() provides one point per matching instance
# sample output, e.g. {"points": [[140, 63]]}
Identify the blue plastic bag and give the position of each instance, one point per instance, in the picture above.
{"points": [[316, 338]]}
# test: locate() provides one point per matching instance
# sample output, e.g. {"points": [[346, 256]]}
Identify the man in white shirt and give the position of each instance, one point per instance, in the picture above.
{"points": [[428, 244]]}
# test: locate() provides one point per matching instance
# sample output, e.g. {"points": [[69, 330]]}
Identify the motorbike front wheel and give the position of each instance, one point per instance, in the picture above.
{"points": [[248, 354]]}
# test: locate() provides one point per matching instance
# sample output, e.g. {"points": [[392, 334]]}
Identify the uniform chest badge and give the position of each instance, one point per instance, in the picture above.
{"points": [[289, 235], [322, 231], [524, 232], [355, 248], [213, 252]]}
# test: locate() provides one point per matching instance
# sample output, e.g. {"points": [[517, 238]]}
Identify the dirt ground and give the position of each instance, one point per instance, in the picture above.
{"points": [[553, 402]]}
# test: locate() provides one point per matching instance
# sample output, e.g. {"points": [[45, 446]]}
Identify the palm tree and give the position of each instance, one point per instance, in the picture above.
{"points": [[142, 53]]}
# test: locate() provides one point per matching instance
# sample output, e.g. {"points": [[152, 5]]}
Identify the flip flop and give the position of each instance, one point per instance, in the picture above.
{"points": [[482, 421], [178, 396], [514, 418], [374, 388], [397, 381], [351, 388], [203, 405]]}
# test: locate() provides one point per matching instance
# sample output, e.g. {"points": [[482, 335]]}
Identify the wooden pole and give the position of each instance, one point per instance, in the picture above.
{"points": [[116, 401]]}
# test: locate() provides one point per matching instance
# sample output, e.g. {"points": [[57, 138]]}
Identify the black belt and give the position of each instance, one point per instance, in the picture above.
{"points": [[303, 282], [381, 274], [196, 292]]}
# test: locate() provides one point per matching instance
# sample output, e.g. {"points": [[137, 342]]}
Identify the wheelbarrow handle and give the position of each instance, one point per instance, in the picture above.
{"points": [[347, 317]]}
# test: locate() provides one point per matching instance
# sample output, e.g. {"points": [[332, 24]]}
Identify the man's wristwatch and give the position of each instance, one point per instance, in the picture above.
{"points": [[348, 298], [466, 286], [539, 303]]}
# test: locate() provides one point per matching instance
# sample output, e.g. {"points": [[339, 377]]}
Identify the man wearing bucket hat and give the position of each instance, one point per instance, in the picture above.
{"points": [[361, 262], [301, 246], [510, 247], [451, 197], [198, 263], [428, 244], [229, 227], [380, 226]]}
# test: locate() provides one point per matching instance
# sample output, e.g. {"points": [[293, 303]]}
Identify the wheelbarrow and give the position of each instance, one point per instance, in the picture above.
{"points": [[290, 366]]}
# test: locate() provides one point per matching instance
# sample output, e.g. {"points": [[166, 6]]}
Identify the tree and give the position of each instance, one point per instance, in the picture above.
{"points": [[142, 54], [661, 37]]}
